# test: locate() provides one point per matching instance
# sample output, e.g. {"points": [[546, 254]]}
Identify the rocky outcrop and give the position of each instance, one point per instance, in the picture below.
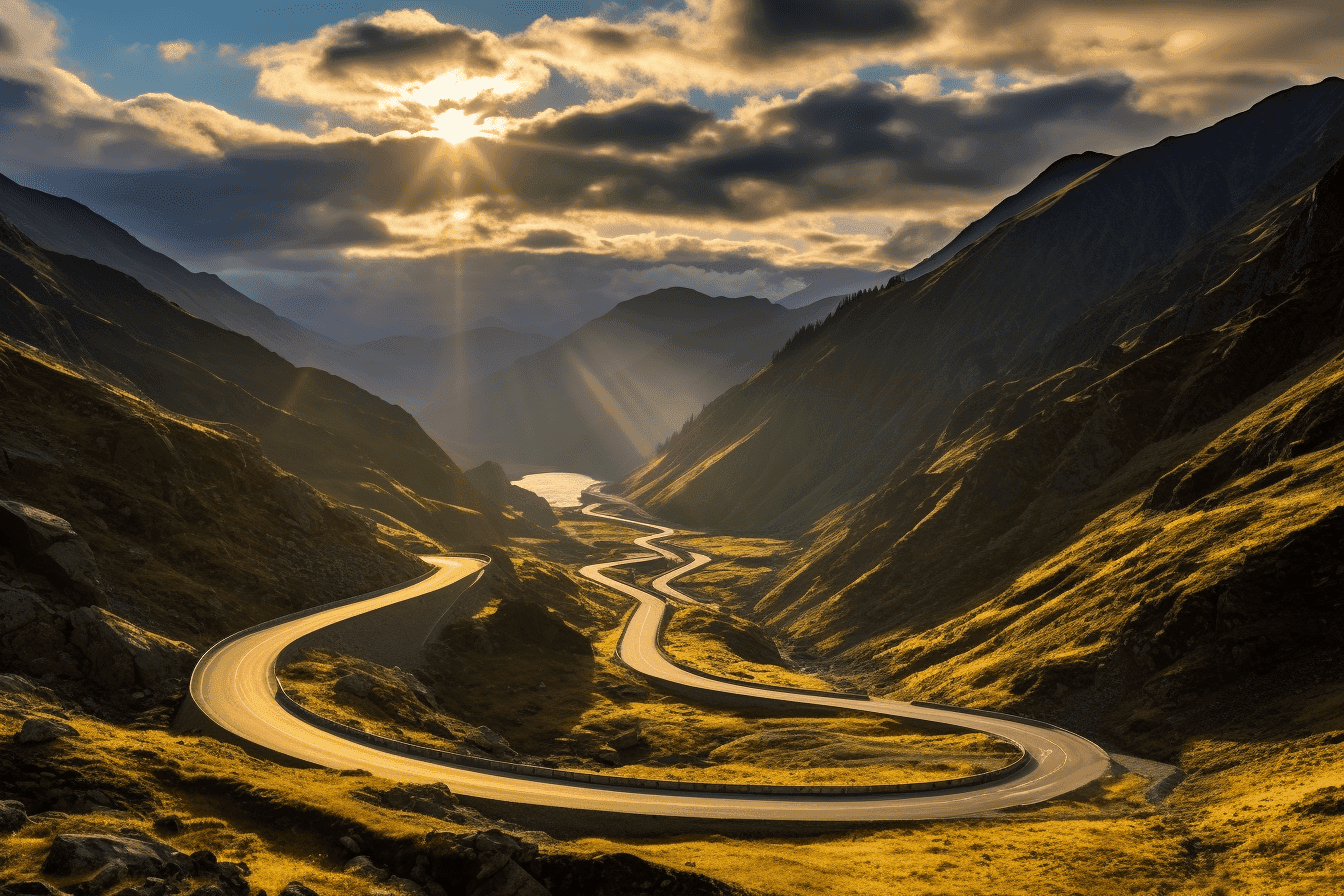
{"points": [[534, 625], [86, 643], [48, 545], [491, 481], [72, 855], [12, 816], [41, 731], [121, 654]]}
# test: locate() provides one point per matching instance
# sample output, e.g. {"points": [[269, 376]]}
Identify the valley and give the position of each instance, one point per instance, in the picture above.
{"points": [[1014, 570]]}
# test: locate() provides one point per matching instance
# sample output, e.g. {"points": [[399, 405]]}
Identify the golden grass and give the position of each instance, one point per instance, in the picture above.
{"points": [[1098, 844], [283, 822], [709, 652]]}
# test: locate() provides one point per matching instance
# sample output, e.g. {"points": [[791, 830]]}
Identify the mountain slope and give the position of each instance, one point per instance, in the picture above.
{"points": [[601, 398], [406, 370], [830, 419], [339, 438], [416, 369], [1113, 541], [1053, 179], [64, 225]]}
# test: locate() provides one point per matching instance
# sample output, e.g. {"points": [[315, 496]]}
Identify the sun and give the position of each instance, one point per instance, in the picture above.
{"points": [[454, 126]]}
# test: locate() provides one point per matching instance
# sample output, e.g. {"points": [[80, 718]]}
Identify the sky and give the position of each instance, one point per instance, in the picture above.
{"points": [[369, 170]]}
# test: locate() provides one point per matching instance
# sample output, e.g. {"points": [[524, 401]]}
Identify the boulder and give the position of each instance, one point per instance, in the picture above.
{"points": [[18, 684], [12, 816], [362, 866], [31, 632], [49, 545], [40, 731], [434, 800], [73, 854], [627, 740], [294, 888], [409, 887], [107, 877], [510, 880], [168, 824], [356, 684], [29, 888], [121, 654]]}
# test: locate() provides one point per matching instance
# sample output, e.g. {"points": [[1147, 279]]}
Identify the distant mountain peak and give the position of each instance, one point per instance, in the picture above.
{"points": [[1072, 161], [684, 300]]}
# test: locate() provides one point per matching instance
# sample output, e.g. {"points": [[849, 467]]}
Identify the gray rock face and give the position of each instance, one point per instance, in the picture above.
{"points": [[30, 631], [121, 654], [12, 816], [87, 641], [47, 544], [73, 854], [41, 731]]}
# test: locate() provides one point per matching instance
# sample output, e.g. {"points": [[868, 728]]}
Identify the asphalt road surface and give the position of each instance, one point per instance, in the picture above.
{"points": [[235, 686]]}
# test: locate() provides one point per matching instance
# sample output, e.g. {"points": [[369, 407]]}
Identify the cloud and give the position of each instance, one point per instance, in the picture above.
{"points": [[770, 28], [548, 238], [627, 180], [400, 67], [644, 125], [176, 50]]}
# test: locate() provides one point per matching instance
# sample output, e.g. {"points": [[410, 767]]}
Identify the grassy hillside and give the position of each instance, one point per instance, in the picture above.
{"points": [[337, 437]]}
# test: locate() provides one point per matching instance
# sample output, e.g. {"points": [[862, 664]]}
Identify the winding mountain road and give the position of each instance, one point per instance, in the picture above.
{"points": [[234, 685]]}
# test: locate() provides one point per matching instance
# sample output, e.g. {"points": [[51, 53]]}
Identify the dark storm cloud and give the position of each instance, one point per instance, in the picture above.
{"points": [[645, 126], [908, 141], [366, 46], [767, 28], [9, 43], [548, 239]]}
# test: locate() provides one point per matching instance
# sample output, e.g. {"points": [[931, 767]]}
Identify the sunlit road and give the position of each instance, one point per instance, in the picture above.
{"points": [[234, 685]]}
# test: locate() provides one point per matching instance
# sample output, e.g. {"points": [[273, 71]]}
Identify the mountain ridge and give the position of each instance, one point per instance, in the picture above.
{"points": [[753, 459]]}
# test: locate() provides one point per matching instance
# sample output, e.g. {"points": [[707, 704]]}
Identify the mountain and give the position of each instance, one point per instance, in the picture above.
{"points": [[406, 370], [343, 441], [185, 526], [65, 226], [1129, 529], [1121, 542], [1051, 180], [831, 418], [415, 370], [599, 400]]}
